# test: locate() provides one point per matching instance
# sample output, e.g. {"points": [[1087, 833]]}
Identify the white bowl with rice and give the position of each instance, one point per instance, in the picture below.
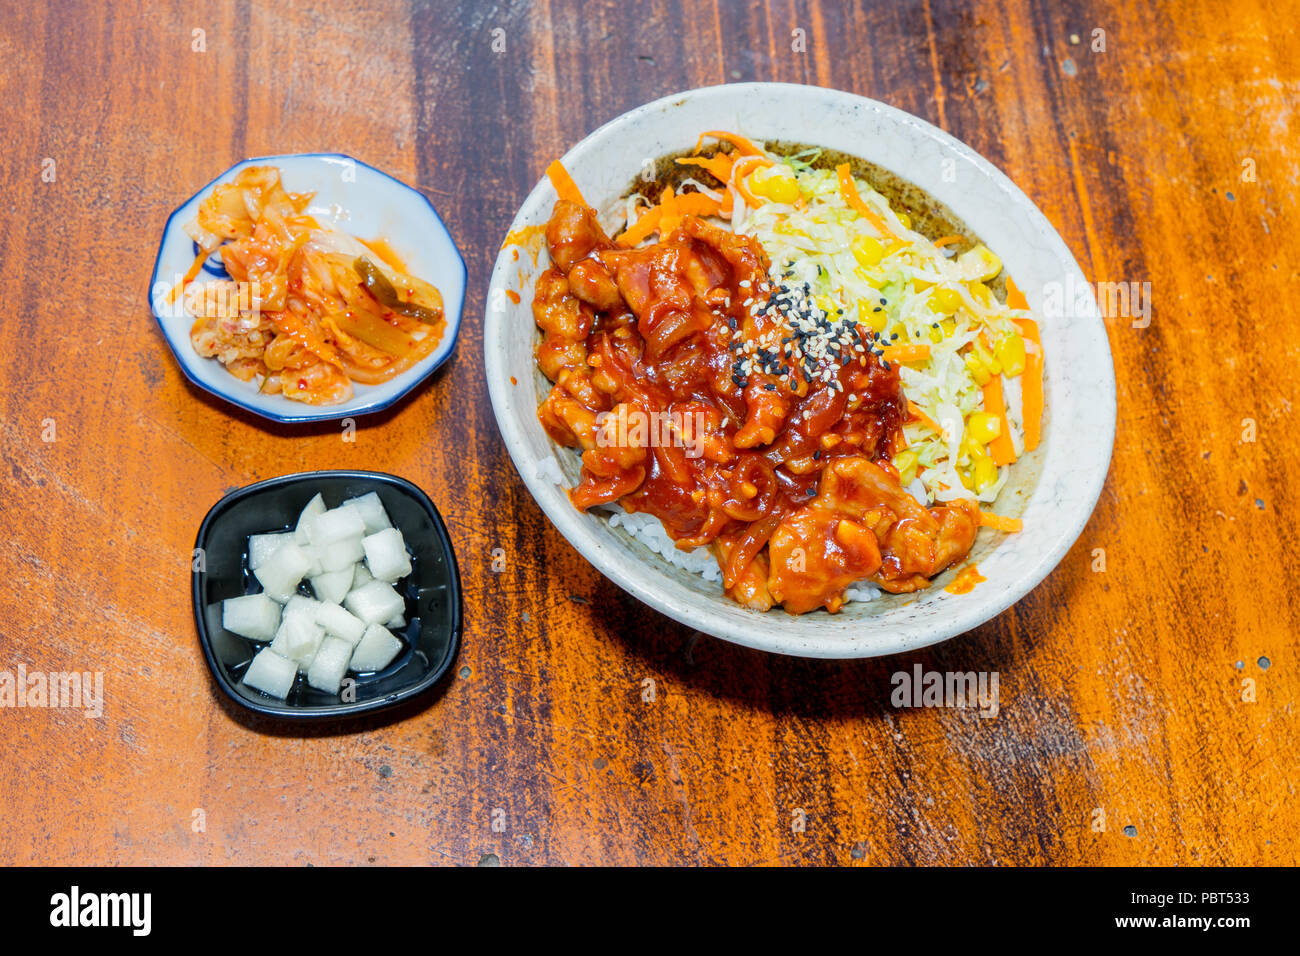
{"points": [[1052, 488]]}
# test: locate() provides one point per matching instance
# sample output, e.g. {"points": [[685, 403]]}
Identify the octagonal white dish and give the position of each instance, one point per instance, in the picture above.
{"points": [[356, 198], [1056, 487]]}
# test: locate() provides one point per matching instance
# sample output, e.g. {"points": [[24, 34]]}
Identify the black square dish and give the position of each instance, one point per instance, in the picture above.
{"points": [[432, 591]]}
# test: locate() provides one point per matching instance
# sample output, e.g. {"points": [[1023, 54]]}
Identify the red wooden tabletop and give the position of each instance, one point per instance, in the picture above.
{"points": [[1147, 686]]}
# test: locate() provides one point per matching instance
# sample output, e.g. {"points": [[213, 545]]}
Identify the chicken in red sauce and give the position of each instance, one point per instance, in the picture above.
{"points": [[782, 420]]}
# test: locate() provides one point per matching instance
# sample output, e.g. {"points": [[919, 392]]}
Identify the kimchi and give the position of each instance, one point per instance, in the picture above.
{"points": [[307, 311]]}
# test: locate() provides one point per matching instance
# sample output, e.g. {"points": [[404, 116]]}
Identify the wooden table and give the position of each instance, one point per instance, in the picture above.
{"points": [[1123, 735]]}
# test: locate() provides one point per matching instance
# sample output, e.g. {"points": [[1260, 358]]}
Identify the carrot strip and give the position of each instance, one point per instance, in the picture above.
{"points": [[697, 204], [640, 230], [719, 165], [1031, 385], [670, 217], [1000, 523], [189, 276], [564, 184], [1015, 298], [915, 412], [947, 240], [655, 219], [741, 170], [728, 200], [905, 353], [995, 403], [743, 146], [856, 202]]}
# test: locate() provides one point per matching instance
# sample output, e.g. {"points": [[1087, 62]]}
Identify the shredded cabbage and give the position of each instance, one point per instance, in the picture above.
{"points": [[814, 238]]}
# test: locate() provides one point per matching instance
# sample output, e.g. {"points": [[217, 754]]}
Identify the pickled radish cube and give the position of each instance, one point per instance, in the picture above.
{"points": [[302, 531], [316, 569], [338, 555], [376, 651], [395, 623], [361, 576], [283, 571], [254, 616], [386, 555], [339, 622], [333, 586], [371, 510], [331, 663], [298, 639], [336, 525], [262, 546], [300, 606], [271, 673], [375, 602]]}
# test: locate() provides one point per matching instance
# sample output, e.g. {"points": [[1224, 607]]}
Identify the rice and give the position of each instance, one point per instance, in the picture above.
{"points": [[548, 470]]}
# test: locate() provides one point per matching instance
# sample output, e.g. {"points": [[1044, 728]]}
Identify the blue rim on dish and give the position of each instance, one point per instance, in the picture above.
{"points": [[434, 594], [453, 290]]}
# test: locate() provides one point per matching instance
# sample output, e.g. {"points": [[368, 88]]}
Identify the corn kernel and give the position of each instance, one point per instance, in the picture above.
{"points": [[936, 334], [983, 427], [985, 358], [906, 462], [905, 219], [979, 263], [984, 473], [945, 301], [980, 292], [977, 370], [776, 186], [875, 321], [868, 251], [1010, 351]]}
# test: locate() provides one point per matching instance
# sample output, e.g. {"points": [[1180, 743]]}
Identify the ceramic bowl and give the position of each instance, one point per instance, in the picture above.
{"points": [[357, 199], [1054, 489], [432, 591]]}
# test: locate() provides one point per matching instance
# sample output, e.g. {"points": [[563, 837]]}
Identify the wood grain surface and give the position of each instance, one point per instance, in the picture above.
{"points": [[1147, 689]]}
